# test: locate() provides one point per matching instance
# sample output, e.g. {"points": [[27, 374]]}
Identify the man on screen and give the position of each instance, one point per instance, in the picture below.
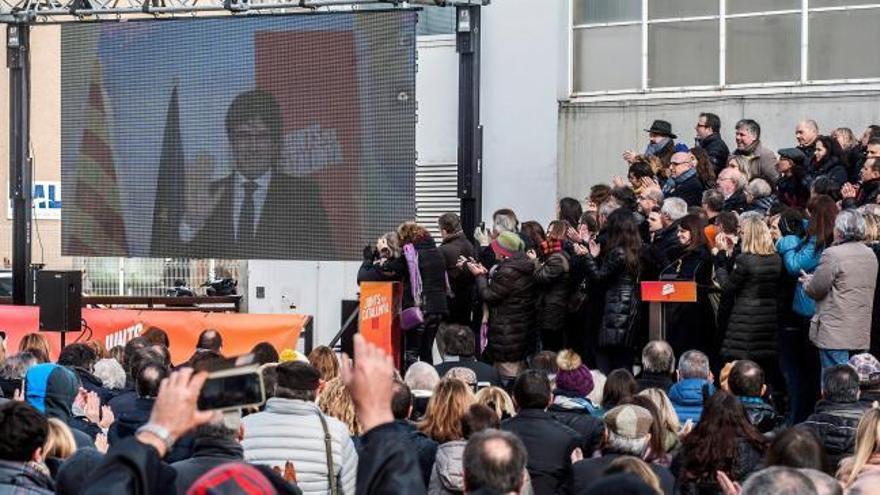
{"points": [[257, 211]]}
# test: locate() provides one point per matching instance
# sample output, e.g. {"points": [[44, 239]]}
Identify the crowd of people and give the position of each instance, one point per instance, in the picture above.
{"points": [[528, 366]]}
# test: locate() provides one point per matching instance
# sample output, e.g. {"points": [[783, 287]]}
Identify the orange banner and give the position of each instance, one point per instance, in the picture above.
{"points": [[117, 326], [379, 318], [660, 291]]}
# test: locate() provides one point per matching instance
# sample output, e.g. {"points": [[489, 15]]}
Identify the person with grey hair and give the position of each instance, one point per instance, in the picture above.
{"points": [[759, 196], [658, 365], [843, 288], [665, 246], [778, 480], [421, 378], [12, 372], [748, 144], [731, 183], [111, 374], [824, 484], [713, 204], [695, 384], [683, 181]]}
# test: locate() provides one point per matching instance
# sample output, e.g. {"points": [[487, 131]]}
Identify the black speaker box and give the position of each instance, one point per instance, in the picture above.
{"points": [[59, 295]]}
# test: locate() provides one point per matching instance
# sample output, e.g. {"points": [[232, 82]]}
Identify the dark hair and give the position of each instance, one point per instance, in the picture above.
{"points": [[713, 199], [623, 234], [450, 222], [827, 186], [149, 378], [833, 150], [658, 432], [791, 222], [626, 198], [270, 380], [531, 390], [131, 347], [746, 379], [204, 360], [457, 340], [545, 362], [798, 447], [141, 358], [217, 431], [713, 444], [619, 387], [23, 430], [589, 219], [641, 169], [728, 221], [265, 352], [478, 418], [78, 356], [156, 335], [534, 233], [401, 401], [705, 169], [694, 224], [210, 339], [599, 193], [494, 461], [570, 210], [823, 211], [255, 104], [840, 383], [712, 120], [164, 355]]}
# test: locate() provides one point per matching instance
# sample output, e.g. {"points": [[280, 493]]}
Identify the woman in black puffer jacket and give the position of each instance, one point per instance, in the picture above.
{"points": [[552, 278], [753, 280], [618, 274], [432, 268]]}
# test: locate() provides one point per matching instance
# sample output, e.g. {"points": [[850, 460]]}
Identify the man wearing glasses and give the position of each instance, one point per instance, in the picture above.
{"points": [[709, 138], [683, 181]]}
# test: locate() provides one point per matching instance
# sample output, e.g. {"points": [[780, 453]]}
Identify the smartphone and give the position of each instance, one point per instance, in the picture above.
{"points": [[233, 388], [483, 226]]}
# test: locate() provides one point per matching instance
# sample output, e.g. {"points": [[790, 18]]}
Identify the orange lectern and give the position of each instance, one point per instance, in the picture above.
{"points": [[379, 317], [660, 292]]}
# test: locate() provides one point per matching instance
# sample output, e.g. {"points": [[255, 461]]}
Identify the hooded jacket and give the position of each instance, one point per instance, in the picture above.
{"points": [[579, 414], [51, 389], [687, 398], [129, 421], [447, 476], [510, 293], [762, 415], [18, 478], [552, 279], [290, 430], [621, 298]]}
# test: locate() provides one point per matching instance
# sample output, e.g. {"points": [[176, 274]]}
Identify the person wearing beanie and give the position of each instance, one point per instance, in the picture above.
{"points": [[627, 432], [868, 369], [52, 389], [510, 294], [571, 406]]}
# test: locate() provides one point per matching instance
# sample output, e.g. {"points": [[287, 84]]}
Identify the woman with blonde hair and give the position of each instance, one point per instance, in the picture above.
{"points": [[335, 400], [496, 399], [36, 344], [744, 164], [325, 361], [753, 283], [638, 467], [450, 402], [668, 417], [59, 445], [862, 470]]}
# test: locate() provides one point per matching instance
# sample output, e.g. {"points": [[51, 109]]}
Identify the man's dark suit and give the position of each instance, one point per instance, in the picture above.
{"points": [[292, 224]]}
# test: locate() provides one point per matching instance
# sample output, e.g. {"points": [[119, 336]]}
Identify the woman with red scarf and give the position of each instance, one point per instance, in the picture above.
{"points": [[553, 265]]}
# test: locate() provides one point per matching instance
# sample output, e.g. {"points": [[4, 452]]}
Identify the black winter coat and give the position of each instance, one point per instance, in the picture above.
{"points": [[836, 424], [621, 298], [387, 463], [691, 191], [425, 448], [792, 191], [875, 311], [552, 281], [717, 150], [588, 471], [460, 279], [762, 415], [649, 379], [208, 453], [432, 268], [549, 444], [830, 167], [691, 325], [736, 202], [510, 293], [754, 284], [663, 249]]}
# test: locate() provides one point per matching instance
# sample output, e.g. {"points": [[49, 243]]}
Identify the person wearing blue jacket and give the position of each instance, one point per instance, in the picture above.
{"points": [[801, 249], [694, 386]]}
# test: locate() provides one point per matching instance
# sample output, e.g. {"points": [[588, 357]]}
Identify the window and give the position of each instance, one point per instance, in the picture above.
{"points": [[664, 45]]}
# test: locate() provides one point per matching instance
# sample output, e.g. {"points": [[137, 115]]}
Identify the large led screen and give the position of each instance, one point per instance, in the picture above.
{"points": [[263, 137]]}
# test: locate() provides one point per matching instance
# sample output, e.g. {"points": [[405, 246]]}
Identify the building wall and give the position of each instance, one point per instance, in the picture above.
{"points": [[592, 136]]}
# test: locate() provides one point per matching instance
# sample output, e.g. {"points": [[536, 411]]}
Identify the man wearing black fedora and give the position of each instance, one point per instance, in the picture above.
{"points": [[661, 145]]}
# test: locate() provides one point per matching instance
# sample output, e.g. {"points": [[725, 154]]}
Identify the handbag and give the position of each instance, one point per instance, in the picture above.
{"points": [[413, 317]]}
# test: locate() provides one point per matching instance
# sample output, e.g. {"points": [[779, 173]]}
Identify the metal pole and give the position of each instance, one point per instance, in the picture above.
{"points": [[20, 180], [470, 132]]}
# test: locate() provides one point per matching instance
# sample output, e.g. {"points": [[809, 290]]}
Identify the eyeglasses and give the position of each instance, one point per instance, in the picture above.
{"points": [[675, 164]]}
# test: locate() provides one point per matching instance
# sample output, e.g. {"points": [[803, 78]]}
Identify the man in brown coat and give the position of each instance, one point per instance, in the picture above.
{"points": [[843, 287]]}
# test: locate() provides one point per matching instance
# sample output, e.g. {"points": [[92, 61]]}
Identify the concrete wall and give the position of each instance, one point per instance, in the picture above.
{"points": [[592, 136]]}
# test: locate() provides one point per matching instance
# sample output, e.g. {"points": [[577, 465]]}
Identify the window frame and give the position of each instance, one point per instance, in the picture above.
{"points": [[723, 87]]}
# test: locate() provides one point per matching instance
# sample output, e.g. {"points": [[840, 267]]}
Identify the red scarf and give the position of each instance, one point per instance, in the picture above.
{"points": [[550, 247]]}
